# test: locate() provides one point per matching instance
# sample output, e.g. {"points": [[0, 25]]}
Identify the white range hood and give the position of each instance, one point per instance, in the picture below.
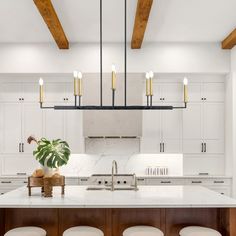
{"points": [[117, 123]]}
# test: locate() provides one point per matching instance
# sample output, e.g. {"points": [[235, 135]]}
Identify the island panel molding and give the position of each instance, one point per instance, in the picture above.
{"points": [[53, 23], [141, 20]]}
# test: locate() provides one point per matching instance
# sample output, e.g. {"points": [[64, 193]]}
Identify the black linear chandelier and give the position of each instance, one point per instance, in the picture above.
{"points": [[78, 83]]}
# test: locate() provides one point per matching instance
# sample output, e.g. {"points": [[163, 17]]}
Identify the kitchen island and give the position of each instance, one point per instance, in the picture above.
{"points": [[167, 207]]}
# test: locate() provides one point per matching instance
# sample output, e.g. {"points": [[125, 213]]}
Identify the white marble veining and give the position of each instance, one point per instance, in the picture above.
{"points": [[145, 197], [88, 164]]}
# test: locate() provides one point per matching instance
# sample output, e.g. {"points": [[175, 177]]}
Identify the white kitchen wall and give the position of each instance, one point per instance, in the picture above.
{"points": [[160, 57]]}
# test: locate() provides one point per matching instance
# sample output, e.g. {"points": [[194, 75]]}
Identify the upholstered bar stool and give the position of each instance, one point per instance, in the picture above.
{"points": [[83, 231], [197, 230], [26, 231], [142, 230]]}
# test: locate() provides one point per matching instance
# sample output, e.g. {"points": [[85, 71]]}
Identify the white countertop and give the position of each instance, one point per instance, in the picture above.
{"points": [[146, 197]]}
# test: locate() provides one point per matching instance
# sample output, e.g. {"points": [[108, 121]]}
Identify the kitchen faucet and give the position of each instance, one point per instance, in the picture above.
{"points": [[114, 169]]}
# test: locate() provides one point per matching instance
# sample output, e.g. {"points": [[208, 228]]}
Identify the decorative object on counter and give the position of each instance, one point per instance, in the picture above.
{"points": [[50, 154], [157, 171], [78, 81], [46, 184]]}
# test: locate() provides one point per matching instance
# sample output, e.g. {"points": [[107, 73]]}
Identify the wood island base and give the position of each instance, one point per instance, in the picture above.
{"points": [[114, 221]]}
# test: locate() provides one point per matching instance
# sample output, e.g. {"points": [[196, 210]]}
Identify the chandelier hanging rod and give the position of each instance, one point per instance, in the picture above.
{"points": [[78, 83]]}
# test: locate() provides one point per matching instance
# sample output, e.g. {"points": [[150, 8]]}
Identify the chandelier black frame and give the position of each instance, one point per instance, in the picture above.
{"points": [[77, 103]]}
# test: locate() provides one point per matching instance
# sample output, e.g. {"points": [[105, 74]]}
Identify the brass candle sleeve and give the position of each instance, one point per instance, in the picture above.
{"points": [[113, 81], [41, 94], [80, 88], [151, 87], [75, 87], [185, 94]]}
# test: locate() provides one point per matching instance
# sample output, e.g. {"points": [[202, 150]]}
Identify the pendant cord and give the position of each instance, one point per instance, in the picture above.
{"points": [[125, 53], [101, 59]]}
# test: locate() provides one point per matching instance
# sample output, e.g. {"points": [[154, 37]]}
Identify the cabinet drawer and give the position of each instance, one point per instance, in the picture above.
{"points": [[163, 181], [208, 181], [13, 182]]}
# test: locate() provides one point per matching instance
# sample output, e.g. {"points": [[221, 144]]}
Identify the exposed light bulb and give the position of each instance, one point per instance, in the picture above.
{"points": [[113, 68], [75, 73], [147, 75], [80, 75], [185, 81], [151, 74], [41, 82]]}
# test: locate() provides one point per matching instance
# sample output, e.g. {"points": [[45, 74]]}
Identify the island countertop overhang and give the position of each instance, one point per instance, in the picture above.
{"points": [[145, 197]]}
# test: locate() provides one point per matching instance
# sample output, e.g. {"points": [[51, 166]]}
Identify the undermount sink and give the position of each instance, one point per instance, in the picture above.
{"points": [[127, 188]]}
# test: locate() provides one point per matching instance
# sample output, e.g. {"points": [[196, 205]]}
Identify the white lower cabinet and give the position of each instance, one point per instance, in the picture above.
{"points": [[218, 184]]}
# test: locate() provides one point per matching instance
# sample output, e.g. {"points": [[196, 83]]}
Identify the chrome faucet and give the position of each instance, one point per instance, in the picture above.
{"points": [[114, 171], [135, 182]]}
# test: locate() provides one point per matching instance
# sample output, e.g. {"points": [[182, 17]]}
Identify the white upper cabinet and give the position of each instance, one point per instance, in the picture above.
{"points": [[74, 131], [213, 92], [11, 117], [30, 92], [32, 124], [151, 138], [167, 92], [172, 92], [194, 92], [53, 123], [172, 130], [54, 92], [10, 92]]}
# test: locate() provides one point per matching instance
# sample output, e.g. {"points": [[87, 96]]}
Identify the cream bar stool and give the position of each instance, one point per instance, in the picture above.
{"points": [[142, 231], [83, 231], [197, 230], [26, 231]]}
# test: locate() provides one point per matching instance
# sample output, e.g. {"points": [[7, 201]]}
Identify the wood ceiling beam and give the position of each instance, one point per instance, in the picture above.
{"points": [[50, 17], [230, 41], [141, 20]]}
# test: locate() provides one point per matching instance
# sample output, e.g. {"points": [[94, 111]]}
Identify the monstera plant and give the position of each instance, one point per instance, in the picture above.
{"points": [[51, 154]]}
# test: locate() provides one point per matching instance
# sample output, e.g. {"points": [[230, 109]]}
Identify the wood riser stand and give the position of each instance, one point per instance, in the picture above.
{"points": [[114, 221]]}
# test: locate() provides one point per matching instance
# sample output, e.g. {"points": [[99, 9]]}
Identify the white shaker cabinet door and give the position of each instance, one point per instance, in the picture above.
{"points": [[192, 129], [74, 131], [32, 124], [214, 127], [53, 123], [54, 92], [172, 92], [10, 92], [151, 138], [30, 92], [194, 92], [172, 130], [214, 92], [11, 127]]}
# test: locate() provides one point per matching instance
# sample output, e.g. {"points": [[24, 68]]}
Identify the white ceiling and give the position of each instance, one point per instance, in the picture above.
{"points": [[170, 20]]}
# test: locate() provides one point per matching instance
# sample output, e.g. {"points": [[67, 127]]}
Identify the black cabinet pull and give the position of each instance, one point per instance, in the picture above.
{"points": [[21, 173], [19, 147], [205, 149], [196, 182], [163, 147], [23, 149], [165, 182], [6, 182], [202, 148], [160, 147], [219, 182]]}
